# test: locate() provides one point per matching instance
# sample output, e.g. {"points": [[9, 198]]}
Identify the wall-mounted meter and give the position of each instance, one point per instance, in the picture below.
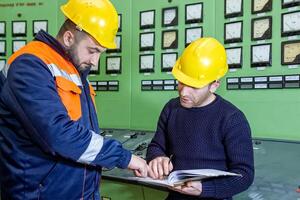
{"points": [[290, 52], [192, 34], [118, 41], [39, 25], [290, 3], [147, 41], [233, 32], [169, 16], [113, 64], [95, 69], [2, 29], [261, 55], [119, 22], [19, 28], [2, 64], [233, 8], [290, 23], [147, 19], [261, 28], [259, 6], [194, 13], [234, 57], [168, 60], [169, 39], [17, 44], [146, 63], [2, 48]]}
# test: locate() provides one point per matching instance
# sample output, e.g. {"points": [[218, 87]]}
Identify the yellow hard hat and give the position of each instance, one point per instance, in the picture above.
{"points": [[99, 18], [201, 63]]}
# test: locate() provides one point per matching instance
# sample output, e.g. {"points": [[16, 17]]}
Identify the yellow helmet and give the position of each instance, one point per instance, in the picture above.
{"points": [[99, 18], [202, 62]]}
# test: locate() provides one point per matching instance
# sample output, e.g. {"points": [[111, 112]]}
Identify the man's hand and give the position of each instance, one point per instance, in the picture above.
{"points": [[160, 167], [193, 188], [138, 165]]}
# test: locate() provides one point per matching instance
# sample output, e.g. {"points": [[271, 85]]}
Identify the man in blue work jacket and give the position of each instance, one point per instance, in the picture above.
{"points": [[50, 146]]}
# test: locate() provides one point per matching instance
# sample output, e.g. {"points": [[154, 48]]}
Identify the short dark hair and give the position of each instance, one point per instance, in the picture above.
{"points": [[68, 25]]}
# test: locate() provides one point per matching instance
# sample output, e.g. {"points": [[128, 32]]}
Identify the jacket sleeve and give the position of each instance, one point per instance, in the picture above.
{"points": [[239, 151], [35, 91], [158, 145]]}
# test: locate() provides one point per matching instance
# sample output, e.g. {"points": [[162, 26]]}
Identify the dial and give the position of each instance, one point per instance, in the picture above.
{"points": [[192, 34], [233, 8], [19, 28], [40, 25], [261, 55], [169, 39], [147, 41], [290, 3], [168, 60], [18, 44], [233, 32], [94, 69], [193, 13], [291, 23], [147, 63], [261, 6], [291, 52], [147, 19], [170, 17], [2, 47], [113, 64], [262, 28], [234, 57], [2, 29], [2, 64], [119, 22]]}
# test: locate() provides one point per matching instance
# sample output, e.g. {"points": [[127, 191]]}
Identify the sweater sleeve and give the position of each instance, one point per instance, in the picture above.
{"points": [[157, 146], [34, 89], [239, 152]]}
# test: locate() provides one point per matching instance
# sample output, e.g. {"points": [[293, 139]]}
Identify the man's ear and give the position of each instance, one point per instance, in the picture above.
{"points": [[68, 38], [214, 86]]}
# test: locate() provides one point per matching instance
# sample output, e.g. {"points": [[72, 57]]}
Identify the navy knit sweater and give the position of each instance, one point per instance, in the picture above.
{"points": [[216, 136]]}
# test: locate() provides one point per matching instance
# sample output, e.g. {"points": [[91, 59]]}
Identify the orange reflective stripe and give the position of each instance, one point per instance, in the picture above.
{"points": [[93, 94]]}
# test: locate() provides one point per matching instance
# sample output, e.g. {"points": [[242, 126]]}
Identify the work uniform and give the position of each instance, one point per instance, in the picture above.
{"points": [[49, 134]]}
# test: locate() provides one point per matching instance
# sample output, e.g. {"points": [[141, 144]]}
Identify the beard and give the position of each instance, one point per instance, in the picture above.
{"points": [[73, 56]]}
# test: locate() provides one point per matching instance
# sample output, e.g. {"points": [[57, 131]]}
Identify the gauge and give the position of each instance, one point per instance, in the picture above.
{"points": [[147, 41], [259, 6], [2, 64], [290, 23], [168, 60], [147, 63], [18, 28], [170, 16], [2, 48], [261, 28], [194, 13], [192, 34], [118, 41], [113, 65], [290, 51], [290, 3], [261, 55], [147, 19], [234, 57], [39, 25], [2, 29], [233, 32], [17, 44], [94, 69], [169, 39], [119, 22], [233, 8]]}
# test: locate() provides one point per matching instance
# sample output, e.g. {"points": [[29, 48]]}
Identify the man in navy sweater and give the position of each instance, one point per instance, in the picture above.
{"points": [[200, 129]]}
